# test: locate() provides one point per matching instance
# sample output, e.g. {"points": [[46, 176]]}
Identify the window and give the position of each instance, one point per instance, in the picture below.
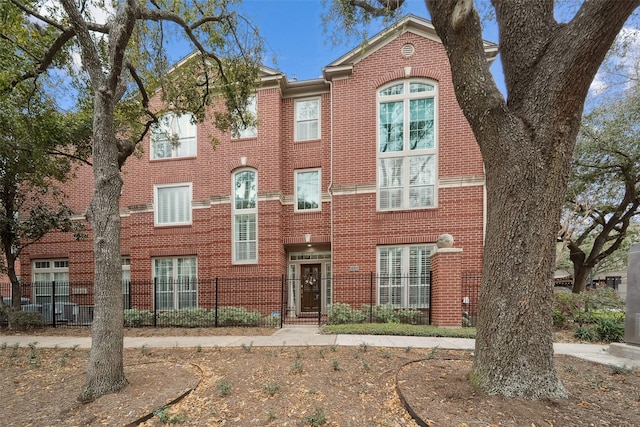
{"points": [[174, 136], [46, 274], [407, 146], [177, 282], [173, 204], [126, 283], [307, 119], [404, 276], [242, 130], [245, 213], [308, 193]]}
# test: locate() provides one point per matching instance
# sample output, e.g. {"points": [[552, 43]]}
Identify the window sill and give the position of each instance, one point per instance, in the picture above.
{"points": [[168, 159]]}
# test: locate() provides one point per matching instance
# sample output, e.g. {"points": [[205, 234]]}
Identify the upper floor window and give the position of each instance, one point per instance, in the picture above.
{"points": [[308, 193], [245, 217], [173, 204], [307, 119], [407, 145], [242, 130], [174, 136]]}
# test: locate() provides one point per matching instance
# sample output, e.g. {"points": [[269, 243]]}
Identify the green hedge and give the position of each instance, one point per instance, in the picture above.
{"points": [[341, 313], [201, 317]]}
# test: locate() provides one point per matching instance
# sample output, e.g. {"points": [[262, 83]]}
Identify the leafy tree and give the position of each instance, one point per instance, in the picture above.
{"points": [[123, 60], [37, 146], [604, 187], [526, 141]]}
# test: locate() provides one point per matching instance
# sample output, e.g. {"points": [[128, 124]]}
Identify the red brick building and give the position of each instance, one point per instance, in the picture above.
{"points": [[355, 172]]}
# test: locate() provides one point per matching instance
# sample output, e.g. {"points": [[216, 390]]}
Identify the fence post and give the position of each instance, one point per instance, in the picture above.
{"points": [[155, 302], [371, 298], [216, 306], [319, 299], [430, 291], [53, 302], [129, 295], [283, 295]]}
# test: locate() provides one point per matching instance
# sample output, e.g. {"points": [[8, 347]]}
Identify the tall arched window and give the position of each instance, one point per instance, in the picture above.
{"points": [[245, 217], [407, 145]]}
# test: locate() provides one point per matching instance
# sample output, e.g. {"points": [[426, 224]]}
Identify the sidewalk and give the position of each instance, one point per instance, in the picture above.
{"points": [[310, 336]]}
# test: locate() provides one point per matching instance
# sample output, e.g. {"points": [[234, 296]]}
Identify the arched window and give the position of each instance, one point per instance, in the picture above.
{"points": [[245, 217], [407, 145], [174, 136]]}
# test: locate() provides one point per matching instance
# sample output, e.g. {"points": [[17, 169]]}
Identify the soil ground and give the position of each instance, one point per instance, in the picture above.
{"points": [[299, 386]]}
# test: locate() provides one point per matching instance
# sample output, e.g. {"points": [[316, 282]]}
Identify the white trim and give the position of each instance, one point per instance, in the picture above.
{"points": [[406, 154], [252, 131], [157, 187], [295, 189], [246, 211], [295, 119], [404, 274], [174, 119]]}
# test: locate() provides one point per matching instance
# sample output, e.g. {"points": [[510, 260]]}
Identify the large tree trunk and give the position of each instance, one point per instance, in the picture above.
{"points": [[514, 347], [526, 144], [105, 373]]}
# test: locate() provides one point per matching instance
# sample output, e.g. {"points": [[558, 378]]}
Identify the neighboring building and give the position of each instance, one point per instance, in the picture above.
{"points": [[355, 172]]}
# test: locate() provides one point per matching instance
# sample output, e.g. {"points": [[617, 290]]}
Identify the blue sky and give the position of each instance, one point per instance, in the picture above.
{"points": [[294, 34]]}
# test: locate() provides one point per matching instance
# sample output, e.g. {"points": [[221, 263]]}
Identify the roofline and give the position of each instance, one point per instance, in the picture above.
{"points": [[343, 66]]}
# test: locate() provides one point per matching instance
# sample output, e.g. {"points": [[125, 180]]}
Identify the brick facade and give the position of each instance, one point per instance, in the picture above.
{"points": [[348, 228]]}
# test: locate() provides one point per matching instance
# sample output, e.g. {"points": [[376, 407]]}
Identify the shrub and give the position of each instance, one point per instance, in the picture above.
{"points": [[585, 333], [341, 313], [134, 318], [587, 307], [185, 318], [238, 316], [26, 320], [610, 330]]}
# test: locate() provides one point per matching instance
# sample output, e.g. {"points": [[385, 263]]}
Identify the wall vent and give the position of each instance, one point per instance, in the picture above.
{"points": [[407, 50]]}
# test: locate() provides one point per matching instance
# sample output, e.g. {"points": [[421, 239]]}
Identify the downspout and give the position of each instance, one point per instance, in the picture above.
{"points": [[330, 187]]}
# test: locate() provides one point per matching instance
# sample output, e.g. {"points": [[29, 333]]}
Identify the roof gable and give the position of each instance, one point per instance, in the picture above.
{"points": [[343, 66]]}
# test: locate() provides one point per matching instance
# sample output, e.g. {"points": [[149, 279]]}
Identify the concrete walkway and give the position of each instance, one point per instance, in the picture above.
{"points": [[620, 355]]}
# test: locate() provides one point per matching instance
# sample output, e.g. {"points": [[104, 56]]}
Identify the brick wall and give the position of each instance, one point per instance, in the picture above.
{"points": [[348, 224]]}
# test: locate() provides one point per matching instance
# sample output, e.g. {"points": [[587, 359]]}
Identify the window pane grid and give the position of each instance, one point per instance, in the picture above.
{"points": [[404, 276], [307, 119], [177, 282], [406, 147]]}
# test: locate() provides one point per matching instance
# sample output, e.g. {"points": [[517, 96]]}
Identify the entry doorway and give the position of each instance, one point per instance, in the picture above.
{"points": [[310, 288]]}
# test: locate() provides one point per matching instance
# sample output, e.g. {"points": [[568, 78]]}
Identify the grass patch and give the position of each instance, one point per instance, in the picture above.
{"points": [[399, 329]]}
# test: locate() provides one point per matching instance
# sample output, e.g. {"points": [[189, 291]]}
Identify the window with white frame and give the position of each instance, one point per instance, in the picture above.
{"points": [[404, 276], [245, 217], [48, 274], [307, 113], [407, 145], [176, 280], [126, 282], [174, 136], [308, 193], [172, 204], [249, 129]]}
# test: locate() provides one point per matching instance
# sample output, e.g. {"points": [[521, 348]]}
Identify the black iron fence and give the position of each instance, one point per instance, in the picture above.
{"points": [[470, 297], [256, 301]]}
